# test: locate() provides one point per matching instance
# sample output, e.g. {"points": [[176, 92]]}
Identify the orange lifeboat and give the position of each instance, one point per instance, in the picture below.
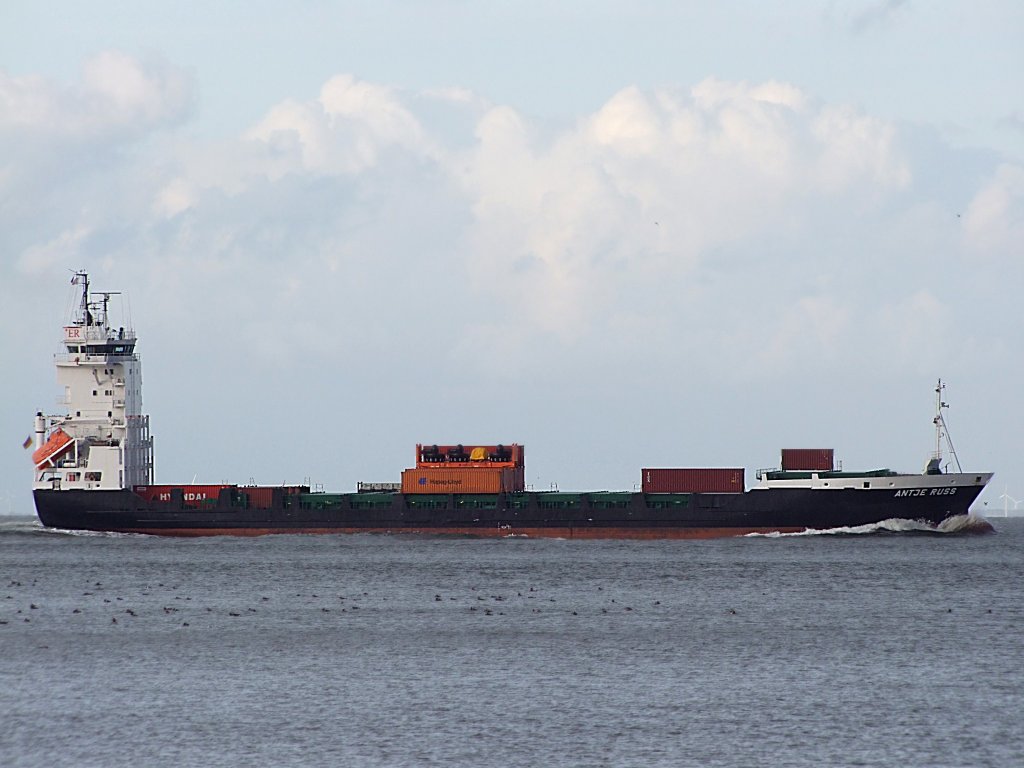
{"points": [[58, 443]]}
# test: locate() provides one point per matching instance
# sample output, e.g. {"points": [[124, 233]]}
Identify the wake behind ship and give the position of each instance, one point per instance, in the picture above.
{"points": [[94, 472]]}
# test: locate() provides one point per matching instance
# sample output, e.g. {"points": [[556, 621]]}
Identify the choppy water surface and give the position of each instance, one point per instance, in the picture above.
{"points": [[877, 649]]}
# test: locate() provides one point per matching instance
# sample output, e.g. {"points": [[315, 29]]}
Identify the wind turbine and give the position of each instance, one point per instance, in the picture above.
{"points": [[1006, 499]]}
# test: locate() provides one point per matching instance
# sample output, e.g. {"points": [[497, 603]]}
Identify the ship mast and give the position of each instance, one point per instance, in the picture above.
{"points": [[82, 279], [942, 431]]}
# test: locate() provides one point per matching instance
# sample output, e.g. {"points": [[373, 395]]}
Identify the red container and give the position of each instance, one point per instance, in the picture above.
{"points": [[815, 459], [704, 480], [192, 495], [469, 455], [260, 497], [463, 480]]}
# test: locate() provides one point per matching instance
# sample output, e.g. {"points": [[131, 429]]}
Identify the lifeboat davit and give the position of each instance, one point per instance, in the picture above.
{"points": [[56, 445]]}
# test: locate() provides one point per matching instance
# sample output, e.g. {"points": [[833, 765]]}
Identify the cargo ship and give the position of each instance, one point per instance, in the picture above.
{"points": [[94, 472]]}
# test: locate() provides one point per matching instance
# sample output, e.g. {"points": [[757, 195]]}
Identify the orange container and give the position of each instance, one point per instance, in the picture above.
{"points": [[463, 480]]}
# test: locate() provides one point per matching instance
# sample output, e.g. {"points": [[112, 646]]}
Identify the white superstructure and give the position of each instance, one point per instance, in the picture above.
{"points": [[102, 439]]}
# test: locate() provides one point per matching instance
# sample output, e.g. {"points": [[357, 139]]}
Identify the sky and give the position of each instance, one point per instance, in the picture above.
{"points": [[622, 234]]}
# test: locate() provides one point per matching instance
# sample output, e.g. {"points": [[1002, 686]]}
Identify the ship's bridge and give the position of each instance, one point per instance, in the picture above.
{"points": [[98, 339]]}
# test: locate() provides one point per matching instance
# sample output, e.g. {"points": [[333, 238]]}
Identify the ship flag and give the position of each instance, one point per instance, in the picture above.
{"points": [[28, 442]]}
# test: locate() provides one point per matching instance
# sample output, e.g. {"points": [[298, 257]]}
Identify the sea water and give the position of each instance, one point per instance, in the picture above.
{"points": [[858, 649]]}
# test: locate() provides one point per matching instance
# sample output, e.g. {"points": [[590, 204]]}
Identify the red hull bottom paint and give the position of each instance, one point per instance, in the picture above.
{"points": [[535, 533]]}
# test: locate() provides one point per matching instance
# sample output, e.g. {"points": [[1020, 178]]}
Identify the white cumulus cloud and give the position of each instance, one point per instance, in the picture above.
{"points": [[117, 95], [648, 189], [342, 131], [703, 220]]}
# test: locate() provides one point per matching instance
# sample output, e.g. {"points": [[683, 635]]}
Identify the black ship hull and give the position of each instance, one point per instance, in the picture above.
{"points": [[627, 515]]}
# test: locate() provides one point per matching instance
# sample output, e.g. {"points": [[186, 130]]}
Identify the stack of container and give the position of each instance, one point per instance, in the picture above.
{"points": [[466, 469]]}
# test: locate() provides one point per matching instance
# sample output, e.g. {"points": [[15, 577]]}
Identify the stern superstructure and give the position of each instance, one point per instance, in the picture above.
{"points": [[101, 441]]}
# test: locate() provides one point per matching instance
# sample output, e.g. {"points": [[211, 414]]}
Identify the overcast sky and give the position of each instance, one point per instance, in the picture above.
{"points": [[624, 234]]}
